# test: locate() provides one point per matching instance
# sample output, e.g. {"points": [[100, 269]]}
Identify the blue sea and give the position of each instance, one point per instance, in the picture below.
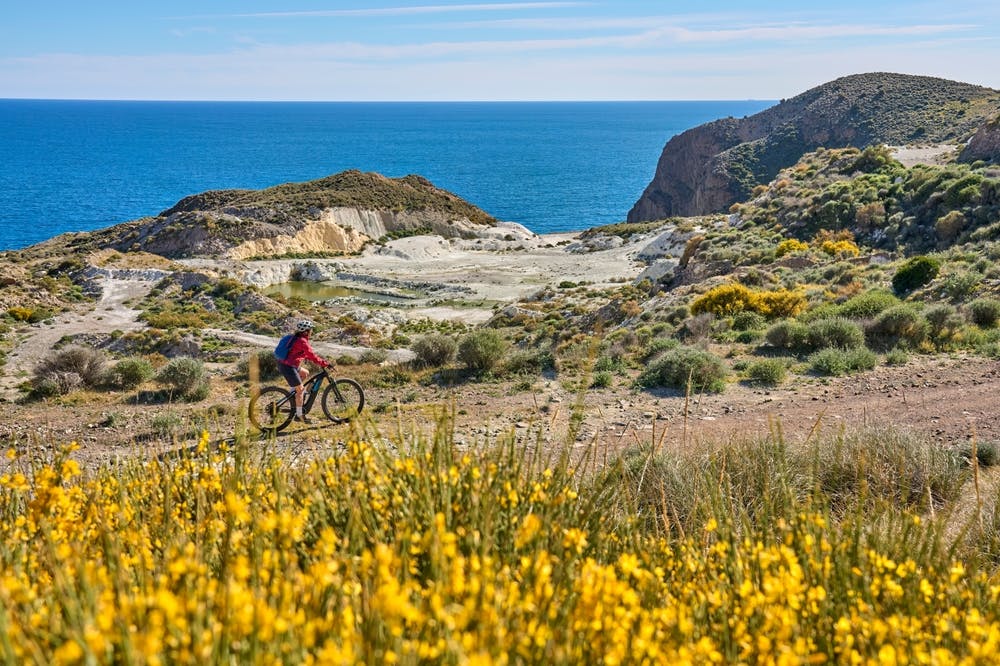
{"points": [[551, 166]]}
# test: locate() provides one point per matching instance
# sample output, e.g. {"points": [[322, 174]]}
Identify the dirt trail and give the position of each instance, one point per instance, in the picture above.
{"points": [[110, 313]]}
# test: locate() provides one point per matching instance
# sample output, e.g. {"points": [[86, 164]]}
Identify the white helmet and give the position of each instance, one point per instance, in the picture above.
{"points": [[304, 325]]}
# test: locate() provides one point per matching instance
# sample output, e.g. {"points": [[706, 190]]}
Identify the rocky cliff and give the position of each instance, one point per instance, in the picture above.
{"points": [[984, 144], [708, 168], [337, 214]]}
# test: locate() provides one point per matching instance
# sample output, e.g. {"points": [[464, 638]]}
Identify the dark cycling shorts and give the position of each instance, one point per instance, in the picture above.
{"points": [[291, 374]]}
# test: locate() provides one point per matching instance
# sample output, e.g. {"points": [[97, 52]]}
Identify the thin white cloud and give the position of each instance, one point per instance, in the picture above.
{"points": [[660, 38], [187, 32], [421, 9]]}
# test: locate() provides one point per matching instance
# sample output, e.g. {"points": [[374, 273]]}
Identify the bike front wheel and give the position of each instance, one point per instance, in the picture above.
{"points": [[272, 409], [343, 400]]}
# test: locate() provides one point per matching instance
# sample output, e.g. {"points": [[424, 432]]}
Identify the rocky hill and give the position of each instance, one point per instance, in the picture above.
{"points": [[334, 215], [708, 168]]}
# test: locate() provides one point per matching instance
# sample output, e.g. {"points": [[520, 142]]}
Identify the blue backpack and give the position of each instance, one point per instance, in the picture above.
{"points": [[284, 344]]}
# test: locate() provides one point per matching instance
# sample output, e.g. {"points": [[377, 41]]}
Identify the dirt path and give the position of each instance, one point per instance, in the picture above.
{"points": [[110, 313]]}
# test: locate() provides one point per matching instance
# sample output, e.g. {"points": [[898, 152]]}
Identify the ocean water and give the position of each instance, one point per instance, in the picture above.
{"points": [[551, 166]]}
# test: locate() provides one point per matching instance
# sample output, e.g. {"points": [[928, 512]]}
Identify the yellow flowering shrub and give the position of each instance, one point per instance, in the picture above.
{"points": [[789, 246], [840, 248], [439, 556], [733, 298]]}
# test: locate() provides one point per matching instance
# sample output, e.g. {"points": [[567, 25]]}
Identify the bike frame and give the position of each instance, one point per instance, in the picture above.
{"points": [[311, 387]]}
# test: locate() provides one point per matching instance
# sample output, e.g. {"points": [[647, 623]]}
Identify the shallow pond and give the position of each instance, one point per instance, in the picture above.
{"points": [[322, 291]]}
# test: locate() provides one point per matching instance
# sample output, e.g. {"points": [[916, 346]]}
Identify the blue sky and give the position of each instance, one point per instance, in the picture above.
{"points": [[440, 50]]}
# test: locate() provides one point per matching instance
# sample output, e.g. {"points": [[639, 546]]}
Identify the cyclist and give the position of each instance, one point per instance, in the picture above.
{"points": [[298, 351]]}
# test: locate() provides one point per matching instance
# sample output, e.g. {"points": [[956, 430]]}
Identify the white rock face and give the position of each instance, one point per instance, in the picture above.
{"points": [[670, 243], [657, 270], [348, 229]]}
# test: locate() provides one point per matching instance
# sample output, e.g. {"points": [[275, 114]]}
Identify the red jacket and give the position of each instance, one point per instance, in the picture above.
{"points": [[301, 350]]}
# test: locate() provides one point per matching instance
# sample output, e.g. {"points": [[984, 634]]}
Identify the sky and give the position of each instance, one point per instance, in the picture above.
{"points": [[439, 50]]}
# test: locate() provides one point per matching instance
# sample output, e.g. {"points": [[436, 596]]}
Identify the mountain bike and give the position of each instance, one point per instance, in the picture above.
{"points": [[272, 409]]}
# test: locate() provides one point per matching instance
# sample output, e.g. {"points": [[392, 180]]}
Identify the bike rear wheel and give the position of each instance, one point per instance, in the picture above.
{"points": [[343, 400], [272, 409]]}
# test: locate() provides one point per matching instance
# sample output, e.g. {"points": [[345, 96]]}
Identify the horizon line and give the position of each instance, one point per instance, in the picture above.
{"points": [[375, 101]]}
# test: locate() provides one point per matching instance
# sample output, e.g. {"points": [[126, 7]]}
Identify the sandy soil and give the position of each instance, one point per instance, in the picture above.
{"points": [[934, 154]]}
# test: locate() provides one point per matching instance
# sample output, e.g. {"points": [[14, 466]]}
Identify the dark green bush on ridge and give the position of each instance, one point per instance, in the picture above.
{"points": [[899, 325], [915, 273], [984, 312]]}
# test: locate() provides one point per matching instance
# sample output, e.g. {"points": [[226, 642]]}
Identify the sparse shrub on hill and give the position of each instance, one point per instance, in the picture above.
{"points": [[528, 362], [767, 372], [944, 325], [68, 369], [960, 285], [915, 273], [686, 366], [130, 373], [482, 349], [836, 361], [867, 304], [899, 325], [984, 312], [185, 377], [838, 332], [434, 350], [267, 365], [748, 321], [374, 356], [788, 334]]}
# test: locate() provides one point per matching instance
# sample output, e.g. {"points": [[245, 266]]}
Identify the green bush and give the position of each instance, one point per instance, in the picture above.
{"points": [[68, 369], [959, 286], [833, 361], [679, 367], [267, 366], [915, 273], [601, 380], [656, 346], [867, 304], [984, 312], [529, 362], [374, 356], [790, 335], [897, 357], [130, 373], [943, 323], [748, 321], [184, 376], [899, 325], [767, 372], [434, 350], [482, 349], [837, 332]]}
